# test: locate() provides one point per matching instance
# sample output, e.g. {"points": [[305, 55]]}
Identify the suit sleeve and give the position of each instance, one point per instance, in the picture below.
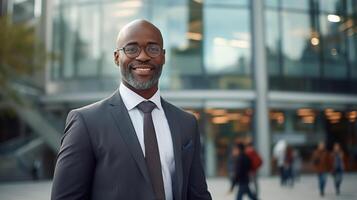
{"points": [[197, 186], [75, 162]]}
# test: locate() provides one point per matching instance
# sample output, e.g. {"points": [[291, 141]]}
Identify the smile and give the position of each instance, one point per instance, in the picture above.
{"points": [[143, 70], [142, 67]]}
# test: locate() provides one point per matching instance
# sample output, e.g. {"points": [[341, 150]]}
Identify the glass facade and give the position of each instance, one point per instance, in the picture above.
{"points": [[204, 49], [310, 45]]}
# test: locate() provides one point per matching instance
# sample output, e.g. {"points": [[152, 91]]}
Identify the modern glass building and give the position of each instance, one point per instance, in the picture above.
{"points": [[269, 69]]}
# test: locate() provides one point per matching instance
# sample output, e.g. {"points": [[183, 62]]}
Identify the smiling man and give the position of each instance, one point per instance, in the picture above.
{"points": [[133, 144]]}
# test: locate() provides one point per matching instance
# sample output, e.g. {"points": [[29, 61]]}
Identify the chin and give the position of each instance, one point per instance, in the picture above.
{"points": [[143, 85]]}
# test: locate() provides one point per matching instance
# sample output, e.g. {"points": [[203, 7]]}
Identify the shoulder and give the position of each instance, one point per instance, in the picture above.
{"points": [[90, 114]]}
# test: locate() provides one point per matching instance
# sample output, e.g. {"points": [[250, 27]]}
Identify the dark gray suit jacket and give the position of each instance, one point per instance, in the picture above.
{"points": [[101, 158]]}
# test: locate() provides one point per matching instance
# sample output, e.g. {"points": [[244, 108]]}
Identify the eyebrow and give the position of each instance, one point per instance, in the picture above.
{"points": [[132, 43]]}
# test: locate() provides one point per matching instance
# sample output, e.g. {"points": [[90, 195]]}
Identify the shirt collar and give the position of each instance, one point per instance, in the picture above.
{"points": [[132, 99]]}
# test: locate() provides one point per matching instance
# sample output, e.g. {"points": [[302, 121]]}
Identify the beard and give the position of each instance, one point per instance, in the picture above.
{"points": [[128, 76]]}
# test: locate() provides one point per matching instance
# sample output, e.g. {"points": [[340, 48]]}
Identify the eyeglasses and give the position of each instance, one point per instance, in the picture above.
{"points": [[134, 50]]}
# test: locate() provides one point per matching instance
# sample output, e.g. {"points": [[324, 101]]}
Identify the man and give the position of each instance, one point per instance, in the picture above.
{"points": [[132, 145], [322, 163], [337, 166], [241, 173]]}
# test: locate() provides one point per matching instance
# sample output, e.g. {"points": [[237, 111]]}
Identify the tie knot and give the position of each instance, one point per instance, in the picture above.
{"points": [[146, 106]]}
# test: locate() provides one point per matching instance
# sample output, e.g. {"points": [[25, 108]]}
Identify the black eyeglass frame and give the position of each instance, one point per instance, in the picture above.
{"points": [[162, 50]]}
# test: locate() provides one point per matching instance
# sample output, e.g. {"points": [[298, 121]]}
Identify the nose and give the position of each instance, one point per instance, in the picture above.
{"points": [[143, 56]]}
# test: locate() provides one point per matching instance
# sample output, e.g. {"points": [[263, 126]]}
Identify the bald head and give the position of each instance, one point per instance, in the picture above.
{"points": [[138, 25]]}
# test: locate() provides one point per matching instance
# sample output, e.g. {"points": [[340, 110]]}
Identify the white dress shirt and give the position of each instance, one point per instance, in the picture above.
{"points": [[163, 134]]}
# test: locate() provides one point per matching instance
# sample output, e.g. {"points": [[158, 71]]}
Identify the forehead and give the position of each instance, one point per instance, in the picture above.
{"points": [[140, 33]]}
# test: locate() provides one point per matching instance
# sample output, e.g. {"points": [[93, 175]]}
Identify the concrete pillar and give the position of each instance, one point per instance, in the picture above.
{"points": [[211, 160], [210, 154], [261, 85]]}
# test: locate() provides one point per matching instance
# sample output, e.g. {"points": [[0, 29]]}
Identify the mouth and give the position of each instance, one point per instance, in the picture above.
{"points": [[143, 70]]}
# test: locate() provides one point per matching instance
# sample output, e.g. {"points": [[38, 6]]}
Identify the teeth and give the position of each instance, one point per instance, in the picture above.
{"points": [[143, 69]]}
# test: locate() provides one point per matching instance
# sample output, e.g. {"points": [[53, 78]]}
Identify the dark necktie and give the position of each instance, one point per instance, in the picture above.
{"points": [[152, 155]]}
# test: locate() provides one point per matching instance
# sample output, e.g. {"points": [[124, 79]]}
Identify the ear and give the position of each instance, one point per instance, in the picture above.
{"points": [[164, 56], [116, 57]]}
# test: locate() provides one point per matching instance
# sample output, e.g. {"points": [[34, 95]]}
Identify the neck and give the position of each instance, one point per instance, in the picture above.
{"points": [[146, 93]]}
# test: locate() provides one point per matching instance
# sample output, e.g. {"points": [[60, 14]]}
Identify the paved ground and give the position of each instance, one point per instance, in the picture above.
{"points": [[306, 189]]}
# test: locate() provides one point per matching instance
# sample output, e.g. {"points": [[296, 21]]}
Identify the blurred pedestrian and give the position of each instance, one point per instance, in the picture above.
{"points": [[288, 166], [279, 155], [256, 163], [337, 166], [231, 160], [241, 177], [36, 169], [321, 161], [297, 165]]}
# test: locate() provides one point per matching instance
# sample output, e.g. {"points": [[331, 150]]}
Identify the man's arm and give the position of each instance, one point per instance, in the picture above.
{"points": [[75, 162], [197, 187]]}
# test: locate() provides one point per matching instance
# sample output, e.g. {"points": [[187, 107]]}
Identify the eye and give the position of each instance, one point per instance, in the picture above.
{"points": [[131, 49], [153, 48]]}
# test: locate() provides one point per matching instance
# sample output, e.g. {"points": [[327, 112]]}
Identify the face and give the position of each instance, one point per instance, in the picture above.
{"points": [[321, 146], [141, 72], [336, 147]]}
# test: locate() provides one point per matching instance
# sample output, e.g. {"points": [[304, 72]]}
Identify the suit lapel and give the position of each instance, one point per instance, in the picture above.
{"points": [[127, 131], [176, 141]]}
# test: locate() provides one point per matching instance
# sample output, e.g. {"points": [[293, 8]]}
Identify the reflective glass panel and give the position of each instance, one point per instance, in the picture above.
{"points": [[225, 2], [56, 42], [87, 40], [295, 4], [271, 3], [316, 47], [334, 49], [227, 46], [273, 41], [331, 6], [351, 6], [351, 31], [352, 44], [300, 52], [65, 30]]}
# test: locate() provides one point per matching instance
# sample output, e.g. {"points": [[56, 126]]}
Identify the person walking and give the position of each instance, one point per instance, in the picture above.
{"points": [[241, 175], [256, 163], [288, 166], [321, 161], [132, 145], [279, 155], [337, 166], [296, 164]]}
